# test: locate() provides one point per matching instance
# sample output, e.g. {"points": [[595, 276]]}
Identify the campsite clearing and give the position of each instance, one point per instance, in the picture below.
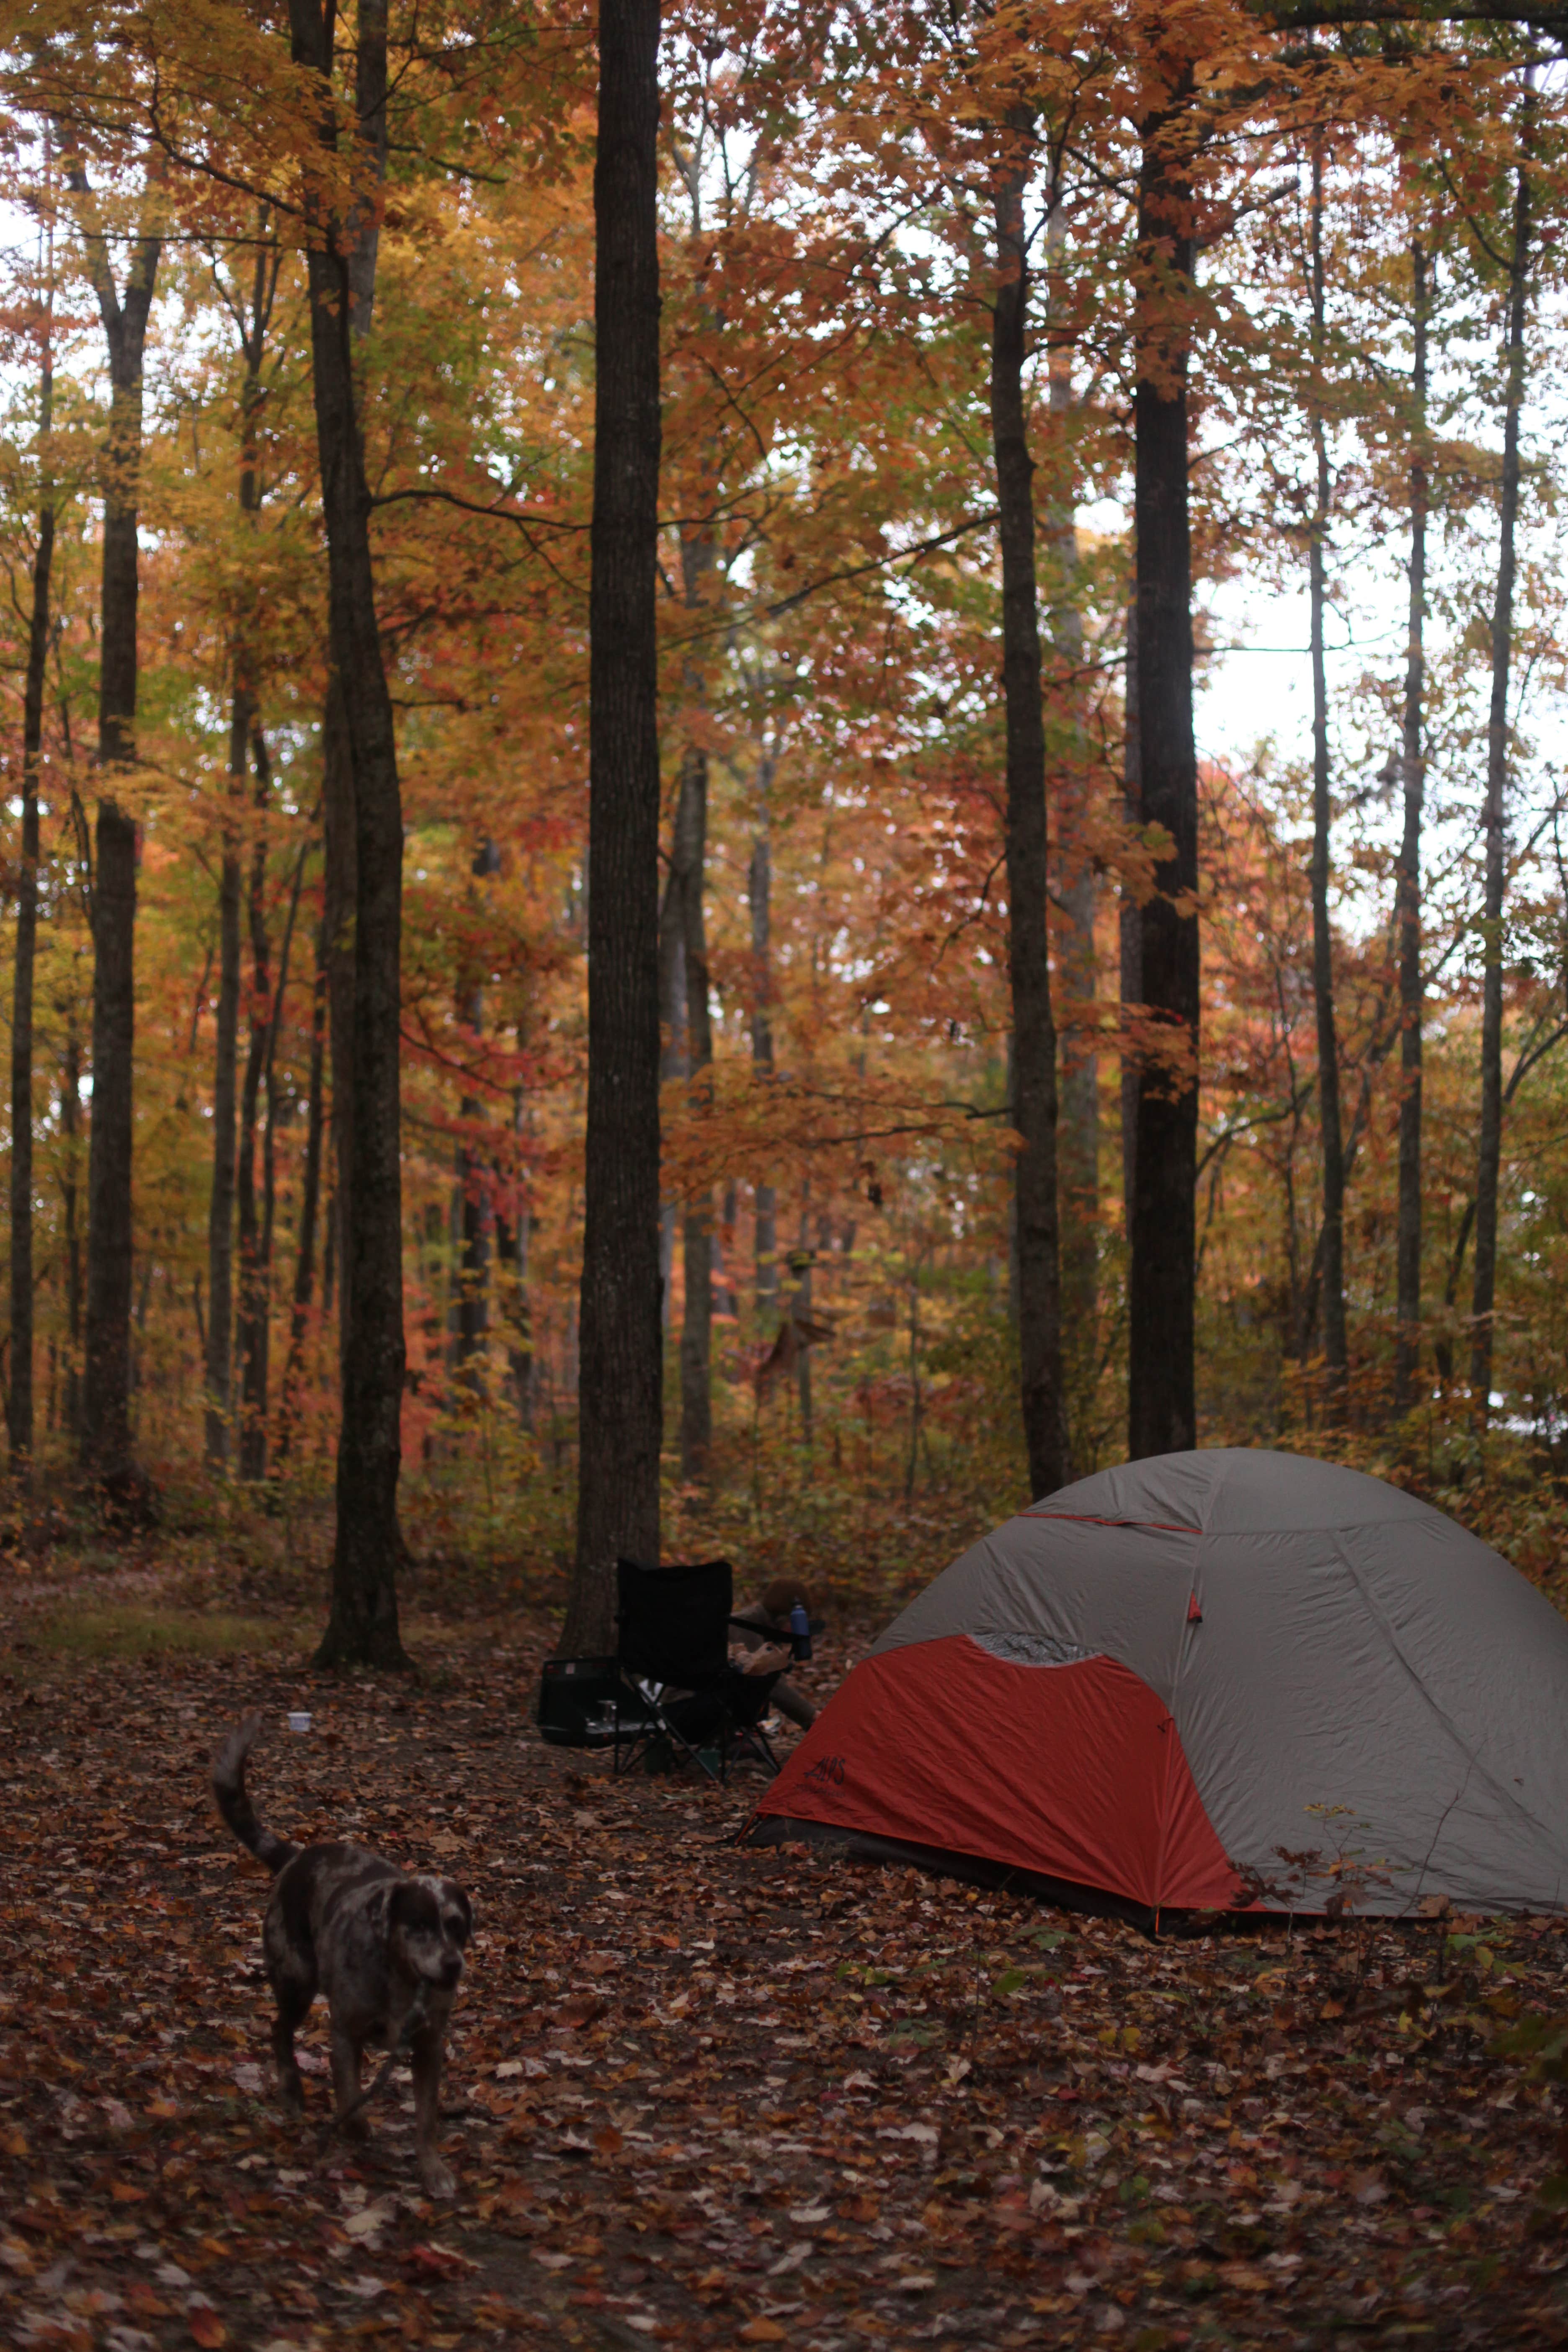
{"points": [[711, 2096]]}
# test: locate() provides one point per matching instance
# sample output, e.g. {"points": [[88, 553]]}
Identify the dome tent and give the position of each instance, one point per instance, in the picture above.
{"points": [[1207, 1681]]}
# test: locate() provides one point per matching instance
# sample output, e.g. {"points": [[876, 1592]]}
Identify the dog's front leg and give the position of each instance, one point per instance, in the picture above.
{"points": [[435, 2176], [346, 2083]]}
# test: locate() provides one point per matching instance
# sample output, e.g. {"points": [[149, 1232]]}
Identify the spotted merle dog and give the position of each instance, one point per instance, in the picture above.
{"points": [[386, 1948]]}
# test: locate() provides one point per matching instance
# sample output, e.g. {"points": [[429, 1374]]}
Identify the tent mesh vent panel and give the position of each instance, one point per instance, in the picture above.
{"points": [[1032, 1649]]}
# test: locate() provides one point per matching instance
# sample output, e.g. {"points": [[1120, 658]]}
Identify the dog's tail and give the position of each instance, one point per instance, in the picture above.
{"points": [[233, 1802]]}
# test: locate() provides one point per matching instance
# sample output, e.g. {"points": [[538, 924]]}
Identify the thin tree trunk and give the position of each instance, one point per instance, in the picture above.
{"points": [[1079, 1140], [1034, 1026], [1077, 1148], [1162, 1286], [221, 1214], [1129, 930], [696, 1234], [620, 1375], [1335, 1349], [339, 890], [697, 1224], [309, 1206], [801, 1264], [474, 1216], [1412, 764], [252, 1279], [759, 894], [106, 1450], [257, 1330], [362, 1629], [280, 1002], [511, 1257], [1494, 819], [19, 1397], [70, 1197], [674, 1042]]}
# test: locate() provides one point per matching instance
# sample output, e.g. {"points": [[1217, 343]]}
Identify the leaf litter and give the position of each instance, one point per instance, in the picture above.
{"points": [[704, 2096]]}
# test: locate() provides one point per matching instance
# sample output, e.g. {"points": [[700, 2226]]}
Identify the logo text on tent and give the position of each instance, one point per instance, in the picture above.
{"points": [[826, 1768]]}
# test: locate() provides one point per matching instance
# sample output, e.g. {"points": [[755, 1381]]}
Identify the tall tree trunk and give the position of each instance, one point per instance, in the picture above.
{"points": [[1329, 1129], [620, 1376], [257, 1396], [697, 1223], [220, 1218], [1161, 1404], [359, 244], [220, 1215], [1412, 766], [106, 1450], [690, 861], [309, 1207], [1494, 819], [19, 1397], [1078, 1152], [1129, 930], [674, 1042], [759, 895], [1034, 1026], [251, 1449], [362, 1629], [339, 890]]}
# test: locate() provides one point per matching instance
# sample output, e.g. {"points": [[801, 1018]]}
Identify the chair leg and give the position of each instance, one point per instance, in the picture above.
{"points": [[694, 1755]]}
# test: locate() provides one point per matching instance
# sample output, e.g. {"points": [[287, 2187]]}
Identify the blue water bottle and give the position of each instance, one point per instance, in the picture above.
{"points": [[800, 1631]]}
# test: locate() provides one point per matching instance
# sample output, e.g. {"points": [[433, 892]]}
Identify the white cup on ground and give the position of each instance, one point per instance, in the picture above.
{"points": [[299, 1720]]}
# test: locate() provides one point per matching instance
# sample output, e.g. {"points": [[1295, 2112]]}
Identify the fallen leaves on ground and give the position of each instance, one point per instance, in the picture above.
{"points": [[705, 2096]]}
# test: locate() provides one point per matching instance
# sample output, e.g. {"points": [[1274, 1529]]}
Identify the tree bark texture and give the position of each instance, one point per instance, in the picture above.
{"points": [[339, 889], [19, 1397], [361, 240], [1331, 1131], [220, 1215], [106, 1450], [1078, 1153], [620, 1375], [1413, 768], [696, 1225], [1162, 1282], [686, 903], [1129, 930], [252, 1281], [362, 1629], [1034, 1026], [1494, 823]]}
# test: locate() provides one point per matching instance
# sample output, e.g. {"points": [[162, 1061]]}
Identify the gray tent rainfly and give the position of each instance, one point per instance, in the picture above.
{"points": [[1212, 1680]]}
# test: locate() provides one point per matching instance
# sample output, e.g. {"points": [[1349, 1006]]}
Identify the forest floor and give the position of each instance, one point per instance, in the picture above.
{"points": [[699, 2096]]}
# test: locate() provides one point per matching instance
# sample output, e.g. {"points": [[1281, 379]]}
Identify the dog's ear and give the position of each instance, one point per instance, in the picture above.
{"points": [[457, 1911]]}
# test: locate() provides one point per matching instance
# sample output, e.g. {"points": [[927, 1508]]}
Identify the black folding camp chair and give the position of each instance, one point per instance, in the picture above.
{"points": [[673, 1650]]}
